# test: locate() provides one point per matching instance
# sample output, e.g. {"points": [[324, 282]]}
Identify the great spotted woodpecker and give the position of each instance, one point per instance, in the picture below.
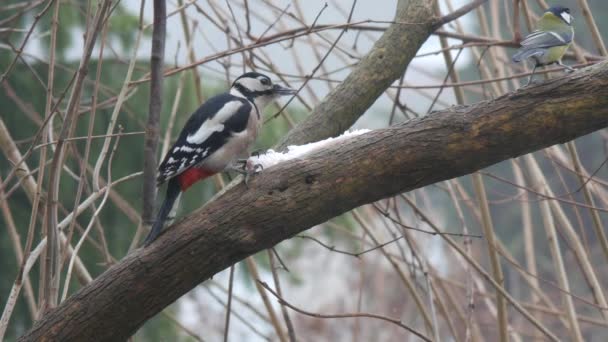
{"points": [[219, 132]]}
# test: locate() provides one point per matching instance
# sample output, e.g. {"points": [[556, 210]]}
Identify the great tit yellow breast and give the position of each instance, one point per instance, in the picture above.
{"points": [[555, 53]]}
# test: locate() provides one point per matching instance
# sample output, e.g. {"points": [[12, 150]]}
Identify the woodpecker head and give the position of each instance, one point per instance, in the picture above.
{"points": [[258, 89]]}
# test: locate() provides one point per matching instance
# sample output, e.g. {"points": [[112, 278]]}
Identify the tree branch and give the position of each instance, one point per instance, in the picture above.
{"points": [[293, 196], [458, 13], [156, 94]]}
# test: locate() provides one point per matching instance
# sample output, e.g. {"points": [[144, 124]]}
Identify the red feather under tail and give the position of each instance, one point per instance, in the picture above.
{"points": [[191, 176]]}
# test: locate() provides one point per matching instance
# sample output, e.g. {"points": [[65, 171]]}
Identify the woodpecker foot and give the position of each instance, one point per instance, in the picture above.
{"points": [[247, 168]]}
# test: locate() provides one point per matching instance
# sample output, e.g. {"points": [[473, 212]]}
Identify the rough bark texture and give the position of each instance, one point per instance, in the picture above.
{"points": [[296, 195], [384, 64]]}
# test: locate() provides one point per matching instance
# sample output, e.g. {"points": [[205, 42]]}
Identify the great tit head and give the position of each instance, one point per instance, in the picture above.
{"points": [[562, 13]]}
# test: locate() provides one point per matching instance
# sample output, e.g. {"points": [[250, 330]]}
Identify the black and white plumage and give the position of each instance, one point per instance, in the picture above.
{"points": [[219, 132], [222, 117]]}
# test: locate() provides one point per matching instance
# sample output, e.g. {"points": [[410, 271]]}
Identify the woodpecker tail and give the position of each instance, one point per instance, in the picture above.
{"points": [[173, 191]]}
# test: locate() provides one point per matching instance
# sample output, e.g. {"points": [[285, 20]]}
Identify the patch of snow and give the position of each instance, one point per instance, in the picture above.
{"points": [[271, 157]]}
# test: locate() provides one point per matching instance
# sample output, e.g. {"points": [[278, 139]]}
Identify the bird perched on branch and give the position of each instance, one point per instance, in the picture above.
{"points": [[219, 132], [548, 44]]}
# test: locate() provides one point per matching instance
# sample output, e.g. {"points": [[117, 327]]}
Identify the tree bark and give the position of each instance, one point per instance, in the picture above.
{"points": [[293, 196]]}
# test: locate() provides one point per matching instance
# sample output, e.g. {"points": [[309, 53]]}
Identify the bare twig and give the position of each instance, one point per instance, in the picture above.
{"points": [[16, 242], [157, 58], [273, 269], [91, 222], [251, 266], [25, 40], [229, 304], [51, 276], [458, 13], [488, 229], [347, 315], [327, 54]]}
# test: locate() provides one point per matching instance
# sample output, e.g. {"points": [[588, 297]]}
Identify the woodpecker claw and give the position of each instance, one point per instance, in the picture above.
{"points": [[255, 169], [242, 162], [247, 168]]}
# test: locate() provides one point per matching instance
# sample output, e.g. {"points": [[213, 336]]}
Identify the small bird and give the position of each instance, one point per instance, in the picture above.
{"points": [[219, 132], [548, 44]]}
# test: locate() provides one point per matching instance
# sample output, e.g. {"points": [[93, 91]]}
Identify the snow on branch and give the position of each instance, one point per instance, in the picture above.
{"points": [[271, 157]]}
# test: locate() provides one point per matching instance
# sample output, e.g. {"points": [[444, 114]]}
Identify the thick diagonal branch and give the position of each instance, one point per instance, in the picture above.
{"points": [[296, 195]]}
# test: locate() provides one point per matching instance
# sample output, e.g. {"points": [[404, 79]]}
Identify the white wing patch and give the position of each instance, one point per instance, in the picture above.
{"points": [[185, 148], [175, 166], [215, 124], [545, 39], [560, 38]]}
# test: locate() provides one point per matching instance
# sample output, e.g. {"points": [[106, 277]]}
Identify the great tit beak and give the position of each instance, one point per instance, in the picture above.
{"points": [[280, 90]]}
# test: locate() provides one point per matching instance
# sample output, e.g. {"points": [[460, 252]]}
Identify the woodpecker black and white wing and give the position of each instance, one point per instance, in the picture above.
{"points": [[205, 132]]}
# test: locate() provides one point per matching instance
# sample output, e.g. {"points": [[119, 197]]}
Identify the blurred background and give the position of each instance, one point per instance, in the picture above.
{"points": [[367, 260]]}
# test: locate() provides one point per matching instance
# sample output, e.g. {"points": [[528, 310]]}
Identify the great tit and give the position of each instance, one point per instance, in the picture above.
{"points": [[548, 44]]}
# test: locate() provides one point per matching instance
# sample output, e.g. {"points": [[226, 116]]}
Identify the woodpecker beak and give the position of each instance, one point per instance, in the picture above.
{"points": [[280, 90]]}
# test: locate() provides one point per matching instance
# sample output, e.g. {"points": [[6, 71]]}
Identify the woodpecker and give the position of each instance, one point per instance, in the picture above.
{"points": [[219, 132]]}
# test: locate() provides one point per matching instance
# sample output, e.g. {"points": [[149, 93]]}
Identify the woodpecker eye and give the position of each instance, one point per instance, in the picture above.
{"points": [[265, 81]]}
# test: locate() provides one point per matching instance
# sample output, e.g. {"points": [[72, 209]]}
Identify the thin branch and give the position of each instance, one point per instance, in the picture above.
{"points": [[346, 315], [316, 68], [157, 57], [458, 13], [91, 222], [388, 216], [123, 134], [253, 270], [50, 278], [25, 40], [277, 284], [488, 229], [229, 304], [356, 255]]}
